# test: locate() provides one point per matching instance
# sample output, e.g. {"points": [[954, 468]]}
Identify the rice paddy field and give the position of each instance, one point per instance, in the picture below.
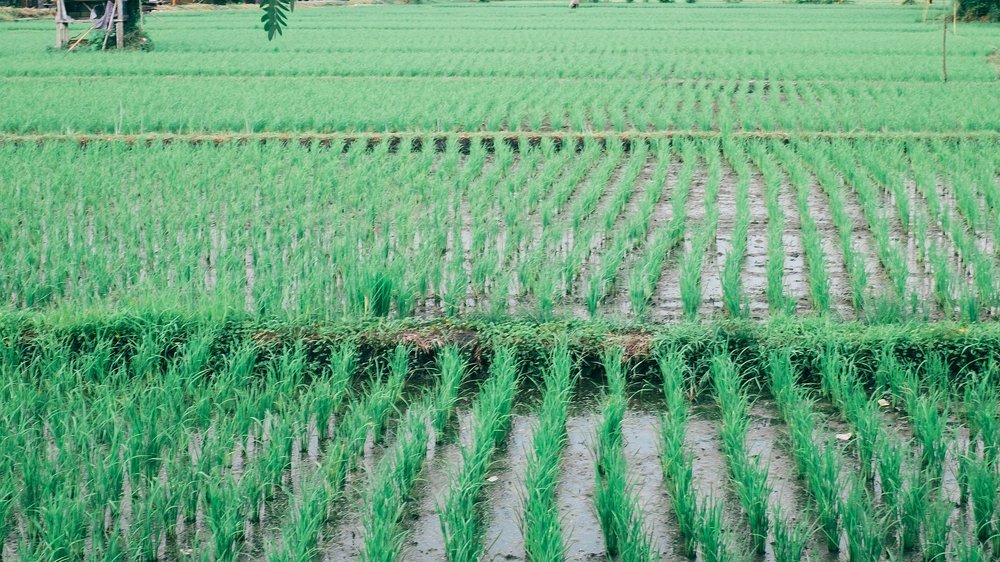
{"points": [[503, 281]]}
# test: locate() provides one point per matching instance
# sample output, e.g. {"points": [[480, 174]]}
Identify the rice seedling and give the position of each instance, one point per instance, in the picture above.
{"points": [[452, 368], [748, 476], [543, 539], [614, 498], [224, 516], [391, 484], [890, 471], [692, 262], [711, 534], [789, 539], [983, 492], [936, 531], [677, 460], [733, 298], [929, 426], [776, 298], [460, 511], [820, 468], [913, 509], [865, 532], [981, 404]]}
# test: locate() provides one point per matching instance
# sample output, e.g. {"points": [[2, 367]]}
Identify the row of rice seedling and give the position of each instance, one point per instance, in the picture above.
{"points": [[734, 300], [980, 262], [815, 262], [529, 104], [630, 237], [748, 474], [311, 508], [576, 230], [678, 469], [830, 183], [649, 266], [398, 470], [609, 239], [615, 498], [461, 509], [776, 299], [700, 523], [818, 466], [879, 221], [541, 526], [535, 279], [693, 261]]}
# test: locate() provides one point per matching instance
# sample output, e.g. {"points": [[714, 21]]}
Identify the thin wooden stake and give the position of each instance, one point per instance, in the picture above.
{"points": [[944, 49]]}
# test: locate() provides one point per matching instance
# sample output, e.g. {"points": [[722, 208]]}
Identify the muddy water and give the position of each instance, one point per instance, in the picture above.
{"points": [[503, 538], [795, 282], [715, 258], [426, 540], [755, 266], [841, 299], [667, 303], [641, 433], [575, 493], [662, 214]]}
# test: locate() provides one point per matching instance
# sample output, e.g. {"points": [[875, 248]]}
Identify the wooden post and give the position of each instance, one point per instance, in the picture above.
{"points": [[944, 48], [119, 24], [62, 27]]}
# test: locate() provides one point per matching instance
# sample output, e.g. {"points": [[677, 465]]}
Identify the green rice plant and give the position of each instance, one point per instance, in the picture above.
{"points": [[929, 426], [451, 365], [733, 297], [866, 534], [981, 406], [649, 267], [890, 467], [962, 460], [749, 477], [543, 539], [8, 499], [224, 516], [147, 527], [983, 485], [776, 299], [789, 539], [692, 262], [677, 460], [912, 511], [819, 281], [820, 468], [970, 551], [937, 531], [614, 498], [461, 521], [824, 483], [714, 546], [391, 485], [65, 523], [301, 541]]}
